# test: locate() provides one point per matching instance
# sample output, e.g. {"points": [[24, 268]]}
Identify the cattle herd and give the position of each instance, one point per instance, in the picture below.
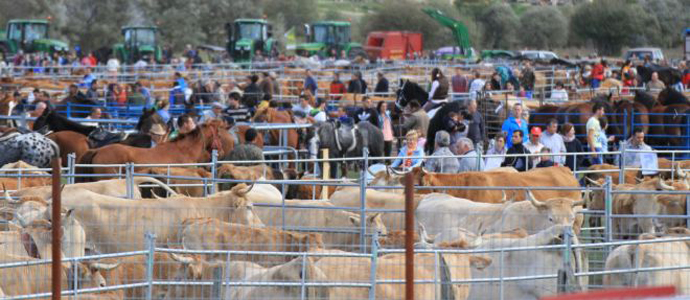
{"points": [[264, 232]]}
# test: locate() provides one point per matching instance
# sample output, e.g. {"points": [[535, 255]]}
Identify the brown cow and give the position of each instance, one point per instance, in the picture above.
{"points": [[212, 234], [666, 164], [630, 175], [179, 183]]}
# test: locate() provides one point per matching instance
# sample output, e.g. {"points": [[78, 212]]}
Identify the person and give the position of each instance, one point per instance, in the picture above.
{"points": [[252, 94], [545, 160], [496, 82], [303, 105], [319, 113], [559, 94], [185, 124], [594, 132], [367, 113], [459, 84], [520, 163], [356, 84], [214, 113], [554, 141], [456, 125], [597, 74], [386, 125], [310, 83], [92, 92], [499, 148], [476, 86], [635, 142], [276, 83], [469, 159], [533, 145], [247, 151], [409, 155], [87, 79], [527, 78], [448, 164], [135, 97], [603, 139], [572, 145], [418, 120], [381, 88], [655, 83], [266, 84], [475, 129], [146, 93], [515, 122], [337, 88], [162, 110], [235, 110], [158, 134], [439, 90], [74, 95], [96, 114]]}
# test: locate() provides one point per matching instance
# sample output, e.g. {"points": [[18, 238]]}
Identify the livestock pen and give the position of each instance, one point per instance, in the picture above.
{"points": [[321, 249]]}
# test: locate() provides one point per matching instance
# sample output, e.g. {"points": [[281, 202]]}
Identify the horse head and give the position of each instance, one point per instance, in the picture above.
{"points": [[148, 118]]}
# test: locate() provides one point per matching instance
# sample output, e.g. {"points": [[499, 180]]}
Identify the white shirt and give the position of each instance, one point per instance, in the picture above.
{"points": [[475, 87], [534, 148], [320, 117], [559, 95], [555, 143], [113, 65]]}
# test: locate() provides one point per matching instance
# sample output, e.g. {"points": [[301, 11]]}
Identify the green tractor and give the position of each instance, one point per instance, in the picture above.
{"points": [[28, 36], [329, 39], [246, 36], [140, 41]]}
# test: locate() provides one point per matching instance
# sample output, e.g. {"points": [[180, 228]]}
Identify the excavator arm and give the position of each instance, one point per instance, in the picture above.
{"points": [[459, 30]]}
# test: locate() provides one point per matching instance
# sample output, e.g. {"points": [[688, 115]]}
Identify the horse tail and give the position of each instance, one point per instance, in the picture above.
{"points": [[86, 159]]}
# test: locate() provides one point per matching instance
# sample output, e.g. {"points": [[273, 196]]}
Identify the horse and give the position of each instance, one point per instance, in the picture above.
{"points": [[576, 113], [345, 141], [669, 76], [193, 147], [272, 115], [672, 110], [32, 148], [409, 91], [7, 104]]}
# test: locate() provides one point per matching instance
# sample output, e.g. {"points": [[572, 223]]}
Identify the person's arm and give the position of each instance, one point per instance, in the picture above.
{"points": [[396, 163], [434, 86], [591, 139]]}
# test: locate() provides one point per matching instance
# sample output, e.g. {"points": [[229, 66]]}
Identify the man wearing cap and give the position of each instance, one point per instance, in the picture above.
{"points": [[214, 113], [533, 145], [448, 164], [158, 134]]}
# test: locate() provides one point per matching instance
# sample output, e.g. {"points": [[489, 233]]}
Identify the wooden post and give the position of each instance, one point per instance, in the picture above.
{"points": [[57, 225], [409, 239], [326, 174]]}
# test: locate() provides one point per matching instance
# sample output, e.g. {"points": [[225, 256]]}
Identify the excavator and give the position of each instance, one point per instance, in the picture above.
{"points": [[464, 49]]}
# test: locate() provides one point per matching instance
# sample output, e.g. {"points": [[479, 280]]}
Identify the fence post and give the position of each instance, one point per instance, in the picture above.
{"points": [[621, 176], [56, 263], [129, 171], [151, 245], [214, 171], [374, 262], [565, 272], [363, 199], [326, 172], [71, 160], [608, 202], [303, 286]]}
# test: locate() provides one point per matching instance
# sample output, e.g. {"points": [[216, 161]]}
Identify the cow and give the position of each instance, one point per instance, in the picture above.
{"points": [[118, 225], [439, 269], [669, 167], [650, 255], [253, 173], [34, 279], [341, 228], [196, 177], [526, 263], [41, 178], [544, 177], [132, 269], [643, 206], [621, 204], [212, 234], [390, 177], [111, 187], [630, 176], [297, 270], [443, 214], [375, 199]]}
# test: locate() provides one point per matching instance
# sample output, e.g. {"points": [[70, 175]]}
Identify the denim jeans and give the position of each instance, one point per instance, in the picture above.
{"points": [[600, 157]]}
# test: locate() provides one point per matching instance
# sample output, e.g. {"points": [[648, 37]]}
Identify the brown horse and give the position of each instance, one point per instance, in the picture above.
{"points": [[7, 103], [272, 115], [240, 130], [574, 112], [193, 147], [70, 142]]}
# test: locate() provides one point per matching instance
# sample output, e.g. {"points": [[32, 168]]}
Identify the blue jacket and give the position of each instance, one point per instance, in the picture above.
{"points": [[181, 83], [511, 125], [311, 85], [416, 157]]}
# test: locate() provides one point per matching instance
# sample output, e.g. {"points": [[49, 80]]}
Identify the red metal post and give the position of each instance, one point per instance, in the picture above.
{"points": [[409, 237], [57, 226]]}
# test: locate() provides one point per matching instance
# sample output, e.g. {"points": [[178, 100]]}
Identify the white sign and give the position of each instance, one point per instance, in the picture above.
{"points": [[650, 164]]}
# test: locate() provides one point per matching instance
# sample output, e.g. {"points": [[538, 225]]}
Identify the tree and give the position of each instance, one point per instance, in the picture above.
{"points": [[543, 28], [499, 24], [671, 17], [295, 12], [610, 25]]}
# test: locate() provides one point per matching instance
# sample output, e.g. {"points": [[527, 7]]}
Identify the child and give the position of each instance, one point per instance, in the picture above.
{"points": [[545, 159]]}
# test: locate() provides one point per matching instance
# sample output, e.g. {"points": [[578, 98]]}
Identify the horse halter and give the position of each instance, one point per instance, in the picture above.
{"points": [[215, 141], [401, 96]]}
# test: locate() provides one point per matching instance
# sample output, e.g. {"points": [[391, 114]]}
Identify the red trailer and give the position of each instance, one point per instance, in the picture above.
{"points": [[393, 44]]}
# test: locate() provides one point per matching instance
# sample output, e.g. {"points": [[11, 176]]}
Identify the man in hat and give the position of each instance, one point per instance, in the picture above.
{"points": [[158, 134], [533, 145], [214, 113]]}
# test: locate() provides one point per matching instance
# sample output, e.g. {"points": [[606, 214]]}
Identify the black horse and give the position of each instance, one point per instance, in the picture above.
{"points": [[409, 91], [669, 76]]}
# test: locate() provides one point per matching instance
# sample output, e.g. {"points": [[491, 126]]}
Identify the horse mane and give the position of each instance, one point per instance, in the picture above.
{"points": [[645, 99], [669, 96]]}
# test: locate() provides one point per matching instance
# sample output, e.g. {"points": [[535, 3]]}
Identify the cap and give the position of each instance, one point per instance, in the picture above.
{"points": [[157, 129], [536, 130], [216, 105], [236, 90]]}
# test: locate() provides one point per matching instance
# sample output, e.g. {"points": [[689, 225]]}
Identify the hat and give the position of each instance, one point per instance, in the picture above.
{"points": [[216, 105], [536, 131], [442, 138], [272, 74], [236, 90], [157, 129]]}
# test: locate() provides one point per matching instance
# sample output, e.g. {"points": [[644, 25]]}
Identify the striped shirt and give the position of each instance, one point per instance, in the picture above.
{"points": [[239, 114]]}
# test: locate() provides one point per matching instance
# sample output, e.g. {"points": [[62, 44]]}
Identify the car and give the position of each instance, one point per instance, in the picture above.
{"points": [[638, 54], [539, 55]]}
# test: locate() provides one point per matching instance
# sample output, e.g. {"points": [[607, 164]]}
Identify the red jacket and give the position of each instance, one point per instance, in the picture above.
{"points": [[598, 72], [337, 89]]}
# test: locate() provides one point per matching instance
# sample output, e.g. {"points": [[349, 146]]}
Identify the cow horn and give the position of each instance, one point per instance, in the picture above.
{"points": [[105, 267], [424, 171], [424, 236], [181, 258], [476, 242], [505, 197], [534, 201], [680, 172], [391, 170], [156, 195], [661, 184], [578, 203], [592, 181]]}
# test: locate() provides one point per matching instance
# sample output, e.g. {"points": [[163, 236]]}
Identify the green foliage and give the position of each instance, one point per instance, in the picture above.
{"points": [[543, 28], [295, 12], [610, 25], [499, 24], [671, 16]]}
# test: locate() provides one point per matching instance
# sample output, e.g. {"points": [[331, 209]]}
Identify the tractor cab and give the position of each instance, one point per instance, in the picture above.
{"points": [[245, 36], [139, 42], [136, 37], [28, 36], [328, 39]]}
